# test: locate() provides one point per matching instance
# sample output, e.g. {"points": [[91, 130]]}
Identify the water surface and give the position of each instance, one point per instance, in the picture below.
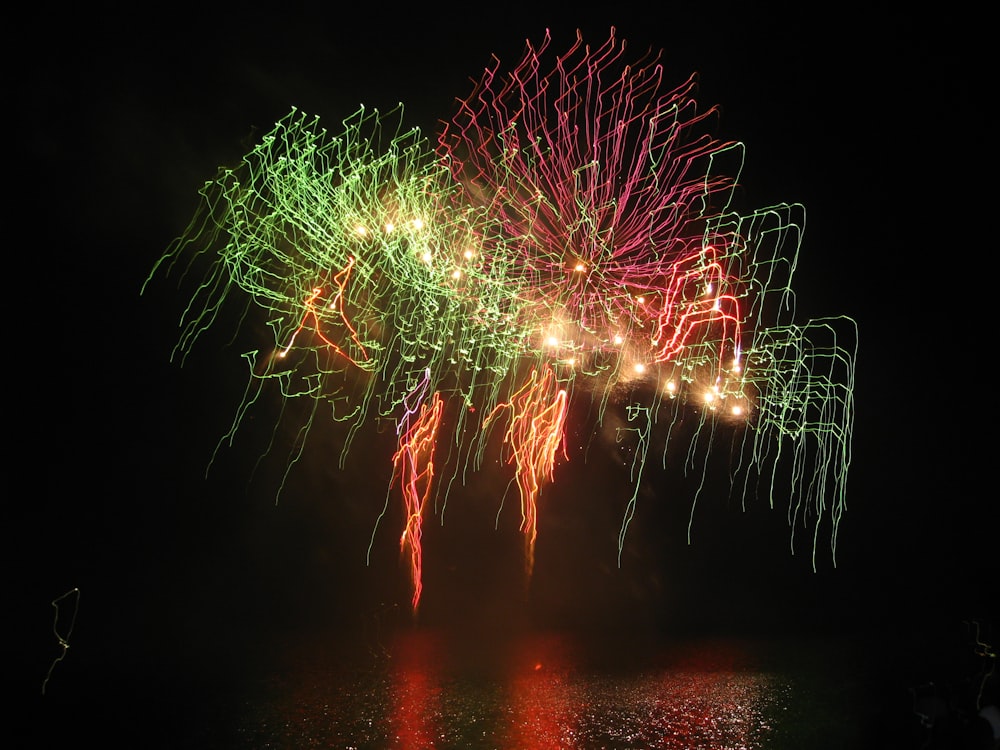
{"points": [[442, 689]]}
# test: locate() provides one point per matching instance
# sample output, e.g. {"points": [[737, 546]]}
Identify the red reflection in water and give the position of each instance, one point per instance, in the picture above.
{"points": [[559, 700], [545, 692], [415, 689], [541, 707]]}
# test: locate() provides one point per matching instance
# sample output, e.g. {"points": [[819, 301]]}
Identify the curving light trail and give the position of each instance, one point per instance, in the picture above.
{"points": [[571, 235]]}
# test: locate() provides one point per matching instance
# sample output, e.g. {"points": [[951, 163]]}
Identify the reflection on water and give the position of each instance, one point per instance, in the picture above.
{"points": [[431, 690], [662, 708]]}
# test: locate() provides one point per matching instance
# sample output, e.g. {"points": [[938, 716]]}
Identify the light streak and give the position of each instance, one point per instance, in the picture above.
{"points": [[62, 634], [413, 466], [570, 235], [534, 435]]}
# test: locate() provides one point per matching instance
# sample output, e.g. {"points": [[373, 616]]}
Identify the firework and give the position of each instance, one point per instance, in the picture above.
{"points": [[570, 236]]}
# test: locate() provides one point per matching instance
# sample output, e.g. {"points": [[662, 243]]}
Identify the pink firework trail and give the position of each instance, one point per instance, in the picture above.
{"points": [[596, 180]]}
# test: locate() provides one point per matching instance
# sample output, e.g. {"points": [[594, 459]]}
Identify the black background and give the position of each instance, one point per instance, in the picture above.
{"points": [[875, 119]]}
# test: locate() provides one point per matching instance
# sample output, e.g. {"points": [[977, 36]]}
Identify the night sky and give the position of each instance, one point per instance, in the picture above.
{"points": [[874, 120]]}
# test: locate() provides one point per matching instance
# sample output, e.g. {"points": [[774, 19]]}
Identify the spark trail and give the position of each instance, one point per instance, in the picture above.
{"points": [[569, 236], [413, 464], [534, 435]]}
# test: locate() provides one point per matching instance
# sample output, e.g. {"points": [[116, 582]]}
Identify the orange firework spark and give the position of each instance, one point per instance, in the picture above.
{"points": [[413, 464], [538, 413]]}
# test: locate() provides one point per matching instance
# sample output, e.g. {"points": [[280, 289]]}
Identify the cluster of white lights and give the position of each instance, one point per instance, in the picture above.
{"points": [[716, 398], [415, 224], [426, 256], [712, 398]]}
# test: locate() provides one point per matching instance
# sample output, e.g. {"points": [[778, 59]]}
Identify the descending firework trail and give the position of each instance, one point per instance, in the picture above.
{"points": [[534, 434], [570, 236], [414, 466]]}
